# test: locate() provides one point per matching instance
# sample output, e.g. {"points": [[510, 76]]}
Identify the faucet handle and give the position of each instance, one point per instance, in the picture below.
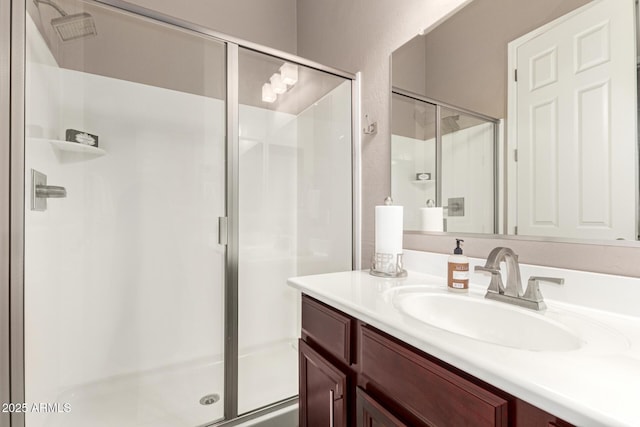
{"points": [[496, 279], [533, 287], [488, 269], [556, 280]]}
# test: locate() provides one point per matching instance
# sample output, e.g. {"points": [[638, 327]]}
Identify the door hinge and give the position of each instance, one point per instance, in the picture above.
{"points": [[515, 155], [515, 74], [223, 238]]}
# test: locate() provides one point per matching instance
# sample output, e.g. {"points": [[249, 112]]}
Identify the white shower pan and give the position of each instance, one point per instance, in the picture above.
{"points": [[170, 397]]}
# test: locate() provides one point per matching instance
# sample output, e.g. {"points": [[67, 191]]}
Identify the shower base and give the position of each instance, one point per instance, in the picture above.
{"points": [[171, 397]]}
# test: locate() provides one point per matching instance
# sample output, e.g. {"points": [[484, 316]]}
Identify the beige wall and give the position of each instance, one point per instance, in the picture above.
{"points": [[466, 56], [409, 66], [359, 35], [463, 61], [620, 259], [270, 23]]}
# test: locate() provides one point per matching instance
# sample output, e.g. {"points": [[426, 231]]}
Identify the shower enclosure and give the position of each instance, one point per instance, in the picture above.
{"points": [[166, 180], [455, 150]]}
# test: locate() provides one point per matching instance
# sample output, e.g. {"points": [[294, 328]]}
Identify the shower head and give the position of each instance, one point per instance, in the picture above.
{"points": [[71, 27], [451, 123]]}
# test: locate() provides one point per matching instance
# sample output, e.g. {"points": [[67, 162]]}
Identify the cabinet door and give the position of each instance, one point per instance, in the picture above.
{"points": [[322, 391], [432, 394], [370, 413]]}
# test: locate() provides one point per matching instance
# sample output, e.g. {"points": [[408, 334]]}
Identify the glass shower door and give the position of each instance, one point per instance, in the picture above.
{"points": [[294, 210], [125, 181], [468, 179]]}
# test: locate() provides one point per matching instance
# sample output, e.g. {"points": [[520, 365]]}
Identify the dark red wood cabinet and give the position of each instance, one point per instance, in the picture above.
{"points": [[370, 413], [352, 374], [322, 388]]}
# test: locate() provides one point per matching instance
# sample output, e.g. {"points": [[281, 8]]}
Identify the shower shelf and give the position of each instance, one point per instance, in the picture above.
{"points": [[422, 181], [73, 147]]}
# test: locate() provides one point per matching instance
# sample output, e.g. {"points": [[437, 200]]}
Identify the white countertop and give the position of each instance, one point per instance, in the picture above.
{"points": [[597, 385]]}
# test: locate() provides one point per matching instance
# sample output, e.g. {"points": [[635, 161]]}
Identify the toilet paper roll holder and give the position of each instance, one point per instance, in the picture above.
{"points": [[387, 265]]}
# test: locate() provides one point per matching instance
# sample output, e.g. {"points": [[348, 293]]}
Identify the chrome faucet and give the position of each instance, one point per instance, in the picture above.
{"points": [[513, 293]]}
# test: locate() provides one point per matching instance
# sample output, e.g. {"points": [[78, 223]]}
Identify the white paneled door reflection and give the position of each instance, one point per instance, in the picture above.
{"points": [[576, 121]]}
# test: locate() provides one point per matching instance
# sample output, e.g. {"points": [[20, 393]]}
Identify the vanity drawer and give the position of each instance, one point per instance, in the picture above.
{"points": [[327, 328], [429, 392]]}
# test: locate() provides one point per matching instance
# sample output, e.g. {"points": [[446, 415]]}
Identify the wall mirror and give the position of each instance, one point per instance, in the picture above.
{"points": [[520, 118]]}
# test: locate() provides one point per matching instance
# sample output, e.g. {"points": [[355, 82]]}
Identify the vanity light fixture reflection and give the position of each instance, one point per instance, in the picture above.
{"points": [[280, 82], [289, 73], [277, 84], [267, 93]]}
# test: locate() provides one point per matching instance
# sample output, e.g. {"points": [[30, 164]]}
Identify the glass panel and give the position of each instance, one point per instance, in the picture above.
{"points": [[124, 276], [467, 172], [413, 156], [295, 211]]}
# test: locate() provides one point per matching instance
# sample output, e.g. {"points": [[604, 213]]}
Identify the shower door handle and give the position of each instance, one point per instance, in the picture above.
{"points": [[51, 191], [223, 230]]}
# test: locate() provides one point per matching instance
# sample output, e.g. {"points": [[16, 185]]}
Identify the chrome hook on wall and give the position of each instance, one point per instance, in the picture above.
{"points": [[370, 128]]}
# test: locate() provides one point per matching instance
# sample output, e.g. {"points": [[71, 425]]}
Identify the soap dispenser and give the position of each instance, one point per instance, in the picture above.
{"points": [[458, 271]]}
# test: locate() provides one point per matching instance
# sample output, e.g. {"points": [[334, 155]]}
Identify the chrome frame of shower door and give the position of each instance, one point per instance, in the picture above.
{"points": [[13, 350], [5, 191], [12, 78], [232, 298]]}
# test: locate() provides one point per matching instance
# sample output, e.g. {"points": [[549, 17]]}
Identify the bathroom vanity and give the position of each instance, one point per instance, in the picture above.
{"points": [[365, 360], [355, 374]]}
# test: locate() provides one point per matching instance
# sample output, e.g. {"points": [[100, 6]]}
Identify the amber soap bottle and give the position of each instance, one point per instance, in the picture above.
{"points": [[458, 271]]}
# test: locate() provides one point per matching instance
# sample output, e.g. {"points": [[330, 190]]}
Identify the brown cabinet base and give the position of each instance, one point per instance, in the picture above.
{"points": [[370, 413], [322, 390], [353, 374]]}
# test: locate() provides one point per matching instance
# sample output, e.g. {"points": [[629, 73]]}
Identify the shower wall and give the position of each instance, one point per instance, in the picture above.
{"points": [[411, 156], [324, 184], [295, 219], [268, 200], [124, 274], [291, 223]]}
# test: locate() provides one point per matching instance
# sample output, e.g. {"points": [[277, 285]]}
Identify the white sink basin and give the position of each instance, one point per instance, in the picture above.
{"points": [[489, 321]]}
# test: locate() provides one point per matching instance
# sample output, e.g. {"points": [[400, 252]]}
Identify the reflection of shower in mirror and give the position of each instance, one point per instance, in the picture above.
{"points": [[71, 27], [450, 124]]}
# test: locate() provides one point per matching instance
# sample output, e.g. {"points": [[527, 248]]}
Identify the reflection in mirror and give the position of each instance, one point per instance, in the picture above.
{"points": [[447, 156], [556, 81]]}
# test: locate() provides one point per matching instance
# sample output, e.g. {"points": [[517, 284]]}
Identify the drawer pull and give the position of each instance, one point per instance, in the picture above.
{"points": [[331, 422]]}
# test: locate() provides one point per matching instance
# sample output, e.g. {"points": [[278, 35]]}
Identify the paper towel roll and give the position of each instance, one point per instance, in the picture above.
{"points": [[431, 219], [388, 227]]}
